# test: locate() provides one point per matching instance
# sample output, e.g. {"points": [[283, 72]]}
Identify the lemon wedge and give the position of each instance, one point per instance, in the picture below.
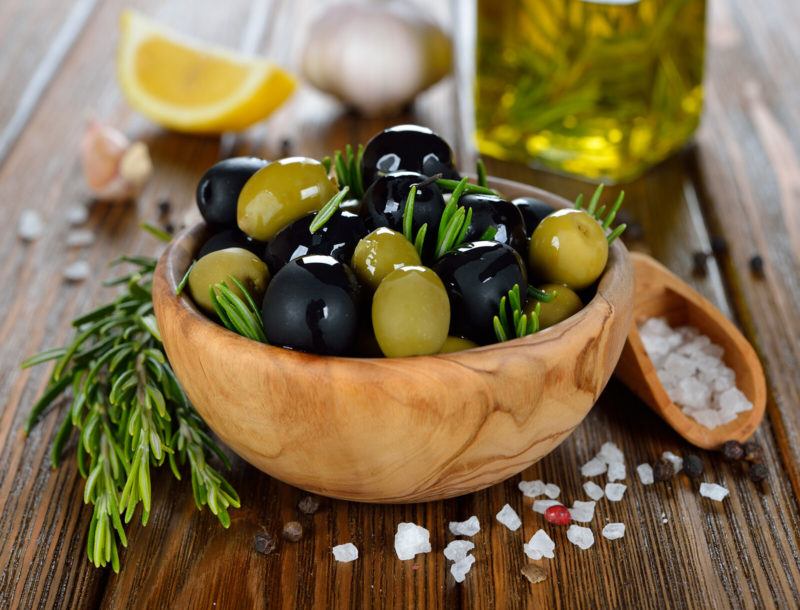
{"points": [[190, 86]]}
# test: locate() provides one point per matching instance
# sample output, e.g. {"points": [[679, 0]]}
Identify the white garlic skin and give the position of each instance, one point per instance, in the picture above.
{"points": [[375, 58], [114, 169]]}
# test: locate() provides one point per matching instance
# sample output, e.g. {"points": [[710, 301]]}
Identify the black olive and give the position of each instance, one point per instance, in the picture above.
{"points": [[533, 211], [218, 189], [337, 238], [476, 276], [407, 148], [312, 305], [385, 201], [489, 211], [230, 238]]}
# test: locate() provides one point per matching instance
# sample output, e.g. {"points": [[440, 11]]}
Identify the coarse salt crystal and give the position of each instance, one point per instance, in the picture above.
{"points": [[410, 540], [77, 271], [614, 531], [581, 537], [582, 511], [509, 517], [460, 568], [540, 506], [458, 549], [616, 471], [615, 491], [713, 491], [470, 527], [77, 214], [593, 467], [593, 490], [732, 400], [540, 545], [675, 460], [531, 489], [30, 227], [610, 453], [345, 553], [80, 238], [645, 472], [552, 491]]}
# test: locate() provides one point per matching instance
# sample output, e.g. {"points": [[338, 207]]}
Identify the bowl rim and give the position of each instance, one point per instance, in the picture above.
{"points": [[176, 258]]}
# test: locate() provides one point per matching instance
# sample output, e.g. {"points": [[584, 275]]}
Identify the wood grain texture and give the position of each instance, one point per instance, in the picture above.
{"points": [[660, 293], [736, 184]]}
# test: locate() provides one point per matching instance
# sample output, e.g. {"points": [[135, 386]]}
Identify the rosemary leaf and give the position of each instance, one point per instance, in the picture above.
{"points": [[481, 172], [328, 210], [184, 280], [408, 213], [156, 232]]}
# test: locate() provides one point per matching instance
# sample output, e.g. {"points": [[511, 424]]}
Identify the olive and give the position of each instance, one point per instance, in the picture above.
{"points": [[410, 313], [220, 266], [219, 188], [562, 306], [280, 193], [407, 147], [568, 247], [312, 305], [456, 344], [380, 253], [230, 238], [337, 238], [493, 212], [533, 211], [366, 344], [476, 276], [350, 205], [385, 201]]}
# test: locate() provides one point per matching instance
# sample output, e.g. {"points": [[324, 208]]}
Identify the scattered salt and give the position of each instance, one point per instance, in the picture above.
{"points": [[77, 214], [509, 517], [552, 491], [615, 491], [80, 238], [345, 552], [616, 471], [614, 531], [470, 527], [458, 549], [539, 506], [582, 511], [675, 460], [645, 472], [30, 227], [713, 491], [77, 271], [581, 537], [593, 490], [664, 518], [410, 540], [531, 489], [593, 467], [540, 545], [610, 453], [460, 568]]}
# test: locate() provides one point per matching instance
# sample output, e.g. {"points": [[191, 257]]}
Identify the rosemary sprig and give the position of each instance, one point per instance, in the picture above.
{"points": [[128, 413], [184, 280], [541, 295], [480, 171], [237, 314], [449, 185], [347, 167], [597, 213], [327, 211], [511, 321], [408, 219]]}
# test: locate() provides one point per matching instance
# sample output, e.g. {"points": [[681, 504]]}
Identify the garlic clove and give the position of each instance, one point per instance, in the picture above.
{"points": [[115, 169]]}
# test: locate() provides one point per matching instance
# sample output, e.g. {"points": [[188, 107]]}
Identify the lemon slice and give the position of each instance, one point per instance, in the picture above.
{"points": [[190, 86]]}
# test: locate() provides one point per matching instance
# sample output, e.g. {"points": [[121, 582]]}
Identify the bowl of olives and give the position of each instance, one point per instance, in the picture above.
{"points": [[418, 337]]}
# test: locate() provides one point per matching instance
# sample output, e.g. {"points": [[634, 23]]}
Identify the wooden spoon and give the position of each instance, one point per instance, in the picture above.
{"points": [[659, 292]]}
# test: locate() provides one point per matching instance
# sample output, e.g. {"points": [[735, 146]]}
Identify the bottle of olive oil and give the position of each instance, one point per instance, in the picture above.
{"points": [[602, 89]]}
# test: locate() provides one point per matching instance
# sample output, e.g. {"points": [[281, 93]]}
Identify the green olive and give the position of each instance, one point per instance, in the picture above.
{"points": [[411, 313], [219, 266], [380, 253], [280, 193], [563, 305], [456, 344], [568, 247]]}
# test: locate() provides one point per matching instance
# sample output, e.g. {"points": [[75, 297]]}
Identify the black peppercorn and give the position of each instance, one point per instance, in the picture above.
{"points": [[292, 531], [757, 266], [663, 470], [752, 452], [264, 543], [719, 246], [758, 472], [164, 207], [693, 466], [286, 147], [732, 451], [308, 505], [169, 228], [699, 267]]}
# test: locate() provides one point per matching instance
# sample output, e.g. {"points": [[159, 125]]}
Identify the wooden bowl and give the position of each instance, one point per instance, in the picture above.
{"points": [[399, 429]]}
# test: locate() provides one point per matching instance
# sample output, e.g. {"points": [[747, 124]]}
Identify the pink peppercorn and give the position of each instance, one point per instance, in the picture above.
{"points": [[558, 515]]}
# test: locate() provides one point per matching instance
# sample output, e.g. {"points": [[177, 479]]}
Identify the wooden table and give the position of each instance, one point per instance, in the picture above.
{"points": [[741, 182]]}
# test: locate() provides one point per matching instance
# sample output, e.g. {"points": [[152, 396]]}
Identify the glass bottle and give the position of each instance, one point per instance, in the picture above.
{"points": [[601, 89]]}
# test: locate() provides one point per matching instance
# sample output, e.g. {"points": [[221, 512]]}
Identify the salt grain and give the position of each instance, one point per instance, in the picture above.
{"points": [[410, 540], [77, 271], [610, 453], [458, 549], [593, 490], [713, 491], [509, 517], [552, 491], [675, 460], [345, 553], [80, 238], [582, 511], [77, 214], [645, 472], [616, 471], [30, 227], [614, 531], [460, 568], [581, 537], [531, 489], [539, 506], [540, 545], [593, 467], [470, 527], [615, 491]]}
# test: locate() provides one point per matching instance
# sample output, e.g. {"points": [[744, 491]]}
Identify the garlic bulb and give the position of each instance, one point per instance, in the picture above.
{"points": [[375, 57], [115, 169]]}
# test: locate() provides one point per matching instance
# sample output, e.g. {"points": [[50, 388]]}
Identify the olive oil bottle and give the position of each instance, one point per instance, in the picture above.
{"points": [[601, 89]]}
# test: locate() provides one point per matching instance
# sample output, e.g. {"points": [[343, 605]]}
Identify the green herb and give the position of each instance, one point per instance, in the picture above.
{"points": [[408, 219], [159, 234], [129, 415], [541, 295], [347, 166], [597, 213], [448, 185], [240, 315], [328, 210], [511, 321], [489, 234], [184, 280], [481, 173]]}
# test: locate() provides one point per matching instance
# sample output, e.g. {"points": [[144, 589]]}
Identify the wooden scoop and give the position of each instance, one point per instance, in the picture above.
{"points": [[660, 293]]}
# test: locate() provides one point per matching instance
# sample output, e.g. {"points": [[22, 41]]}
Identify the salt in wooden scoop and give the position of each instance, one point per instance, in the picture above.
{"points": [[660, 293]]}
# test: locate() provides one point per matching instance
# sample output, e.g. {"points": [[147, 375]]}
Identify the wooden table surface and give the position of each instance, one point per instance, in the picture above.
{"points": [[740, 181]]}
